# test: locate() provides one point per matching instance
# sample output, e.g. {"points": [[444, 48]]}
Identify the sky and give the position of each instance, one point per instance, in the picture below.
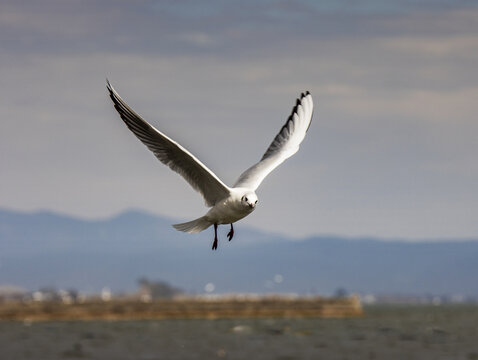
{"points": [[391, 152]]}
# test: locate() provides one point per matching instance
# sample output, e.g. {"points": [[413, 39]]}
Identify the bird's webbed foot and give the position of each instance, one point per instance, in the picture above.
{"points": [[230, 234]]}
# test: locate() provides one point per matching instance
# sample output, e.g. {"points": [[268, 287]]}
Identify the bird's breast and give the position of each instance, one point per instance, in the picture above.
{"points": [[228, 211]]}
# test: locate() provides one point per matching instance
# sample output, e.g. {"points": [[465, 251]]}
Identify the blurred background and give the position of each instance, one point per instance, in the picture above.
{"points": [[380, 201]]}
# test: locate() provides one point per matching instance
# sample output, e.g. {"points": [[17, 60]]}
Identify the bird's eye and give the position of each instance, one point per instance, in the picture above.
{"points": [[256, 201], [246, 199]]}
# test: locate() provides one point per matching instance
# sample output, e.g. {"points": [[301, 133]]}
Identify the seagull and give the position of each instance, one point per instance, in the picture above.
{"points": [[227, 204]]}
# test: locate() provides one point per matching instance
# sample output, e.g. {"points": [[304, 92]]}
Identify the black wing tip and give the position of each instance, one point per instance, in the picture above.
{"points": [[116, 101], [289, 119], [110, 89], [297, 103], [114, 96]]}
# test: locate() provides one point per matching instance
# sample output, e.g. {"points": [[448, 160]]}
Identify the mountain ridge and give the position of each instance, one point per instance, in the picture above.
{"points": [[48, 249]]}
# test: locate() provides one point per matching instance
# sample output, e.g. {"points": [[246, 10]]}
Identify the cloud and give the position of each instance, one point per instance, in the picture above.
{"points": [[227, 28], [462, 46], [392, 139]]}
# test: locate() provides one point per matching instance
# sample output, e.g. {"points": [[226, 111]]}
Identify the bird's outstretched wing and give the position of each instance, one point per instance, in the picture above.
{"points": [[285, 144], [171, 153]]}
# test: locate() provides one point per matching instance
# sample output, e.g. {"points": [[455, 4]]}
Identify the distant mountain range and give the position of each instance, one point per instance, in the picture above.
{"points": [[47, 249]]}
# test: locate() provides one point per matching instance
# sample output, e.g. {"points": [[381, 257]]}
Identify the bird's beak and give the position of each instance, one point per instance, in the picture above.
{"points": [[251, 206]]}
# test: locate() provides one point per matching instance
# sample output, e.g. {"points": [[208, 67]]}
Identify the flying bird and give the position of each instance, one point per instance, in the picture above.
{"points": [[227, 204]]}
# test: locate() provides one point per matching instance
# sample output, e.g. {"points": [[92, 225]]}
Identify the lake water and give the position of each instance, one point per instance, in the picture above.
{"points": [[391, 332]]}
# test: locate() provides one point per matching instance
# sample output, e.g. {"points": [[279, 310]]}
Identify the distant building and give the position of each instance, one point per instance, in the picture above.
{"points": [[150, 290]]}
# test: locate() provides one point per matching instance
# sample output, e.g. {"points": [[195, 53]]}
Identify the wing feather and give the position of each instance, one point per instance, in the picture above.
{"points": [[285, 144], [171, 153]]}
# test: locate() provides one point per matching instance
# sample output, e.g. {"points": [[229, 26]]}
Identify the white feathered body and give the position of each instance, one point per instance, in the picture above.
{"points": [[229, 210], [225, 211]]}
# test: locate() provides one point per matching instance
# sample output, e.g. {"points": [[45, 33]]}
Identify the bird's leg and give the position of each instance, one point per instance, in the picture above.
{"points": [[214, 244], [230, 234]]}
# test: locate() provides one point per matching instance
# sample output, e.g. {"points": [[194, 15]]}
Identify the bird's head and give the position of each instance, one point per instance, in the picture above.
{"points": [[249, 199]]}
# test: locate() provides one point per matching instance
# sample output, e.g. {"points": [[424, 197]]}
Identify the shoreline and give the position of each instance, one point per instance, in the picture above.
{"points": [[182, 308]]}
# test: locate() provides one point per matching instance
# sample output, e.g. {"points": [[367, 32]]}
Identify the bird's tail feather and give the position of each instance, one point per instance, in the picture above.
{"points": [[194, 226]]}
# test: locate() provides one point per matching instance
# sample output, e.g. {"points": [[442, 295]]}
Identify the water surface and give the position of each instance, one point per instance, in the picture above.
{"points": [[391, 332]]}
